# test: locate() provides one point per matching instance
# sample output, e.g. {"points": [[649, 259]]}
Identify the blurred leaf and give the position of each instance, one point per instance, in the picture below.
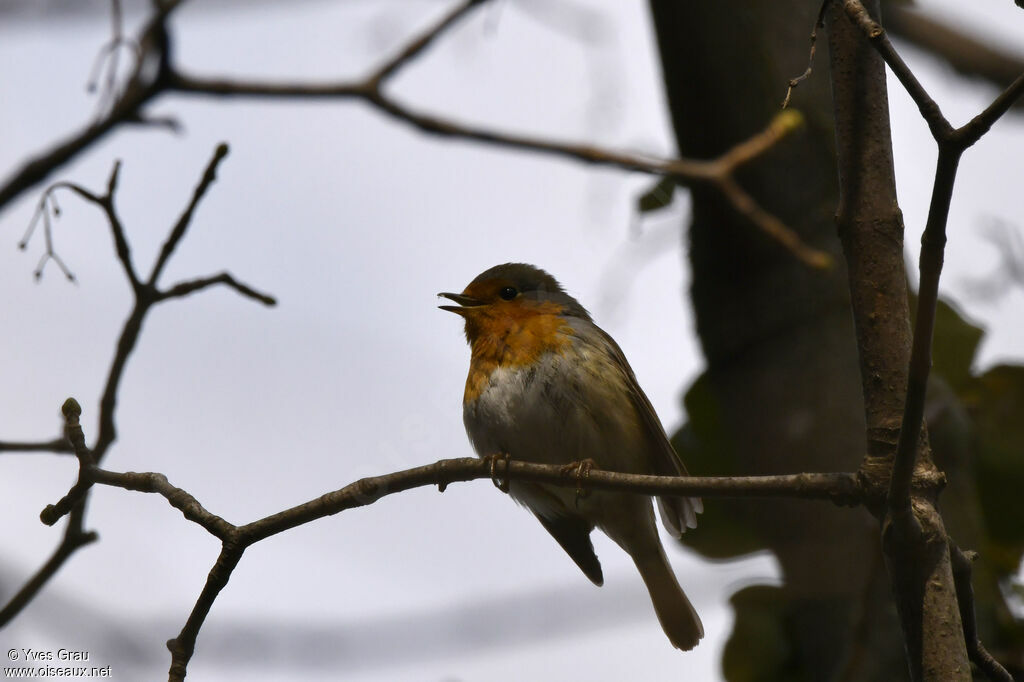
{"points": [[704, 444], [995, 401], [657, 197], [956, 342], [759, 648]]}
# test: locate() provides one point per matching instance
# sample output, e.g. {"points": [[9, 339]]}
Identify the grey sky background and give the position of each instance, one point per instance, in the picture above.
{"points": [[354, 222]]}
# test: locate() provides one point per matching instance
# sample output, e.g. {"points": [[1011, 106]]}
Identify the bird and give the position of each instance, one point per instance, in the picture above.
{"points": [[547, 385]]}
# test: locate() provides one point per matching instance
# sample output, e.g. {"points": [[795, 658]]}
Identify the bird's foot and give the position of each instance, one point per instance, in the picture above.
{"points": [[581, 470], [501, 484]]}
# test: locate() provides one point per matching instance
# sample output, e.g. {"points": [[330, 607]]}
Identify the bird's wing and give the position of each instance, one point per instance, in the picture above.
{"points": [[678, 513], [573, 534]]}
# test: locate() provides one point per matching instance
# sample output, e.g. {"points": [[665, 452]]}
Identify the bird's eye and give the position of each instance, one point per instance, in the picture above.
{"points": [[508, 293]]}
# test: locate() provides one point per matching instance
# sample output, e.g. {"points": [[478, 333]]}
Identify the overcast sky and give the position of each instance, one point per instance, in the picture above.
{"points": [[354, 223]]}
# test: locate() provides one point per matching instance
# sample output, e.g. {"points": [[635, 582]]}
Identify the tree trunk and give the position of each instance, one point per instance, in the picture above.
{"points": [[782, 390]]}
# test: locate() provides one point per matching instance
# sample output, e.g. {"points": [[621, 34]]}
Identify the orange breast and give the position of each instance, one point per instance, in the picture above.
{"points": [[511, 336]]}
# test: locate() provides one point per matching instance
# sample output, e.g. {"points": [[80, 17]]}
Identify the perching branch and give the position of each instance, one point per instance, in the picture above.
{"points": [[840, 488], [843, 489]]}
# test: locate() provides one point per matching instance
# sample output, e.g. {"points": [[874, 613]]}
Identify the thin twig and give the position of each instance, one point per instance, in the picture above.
{"points": [[973, 55], [74, 435], [105, 202], [47, 204], [818, 25], [146, 296], [965, 598], [972, 131], [841, 488], [142, 86], [933, 244], [57, 445], [109, 55], [178, 498], [417, 46], [73, 540], [371, 91], [942, 131], [183, 289], [209, 175], [183, 646]]}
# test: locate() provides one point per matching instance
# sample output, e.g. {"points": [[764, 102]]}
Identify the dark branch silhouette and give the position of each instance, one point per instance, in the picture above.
{"points": [[146, 295], [165, 77]]}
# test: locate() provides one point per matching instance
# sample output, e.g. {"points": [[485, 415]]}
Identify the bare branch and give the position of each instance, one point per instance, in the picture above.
{"points": [[933, 244], [105, 202], [74, 435], [109, 55], [415, 47], [715, 172], [47, 205], [942, 131], [57, 445], [209, 175], [747, 206], [146, 296], [370, 90], [840, 488], [687, 171], [183, 646], [73, 540], [972, 131], [183, 289], [181, 500], [971, 56], [818, 25], [141, 87], [220, 87]]}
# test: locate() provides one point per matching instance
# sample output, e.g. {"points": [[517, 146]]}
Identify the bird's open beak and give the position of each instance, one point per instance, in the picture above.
{"points": [[466, 303]]}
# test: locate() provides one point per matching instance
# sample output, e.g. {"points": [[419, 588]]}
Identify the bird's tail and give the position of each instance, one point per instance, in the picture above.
{"points": [[678, 618]]}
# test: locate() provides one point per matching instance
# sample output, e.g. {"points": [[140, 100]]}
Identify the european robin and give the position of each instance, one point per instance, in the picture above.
{"points": [[548, 385]]}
